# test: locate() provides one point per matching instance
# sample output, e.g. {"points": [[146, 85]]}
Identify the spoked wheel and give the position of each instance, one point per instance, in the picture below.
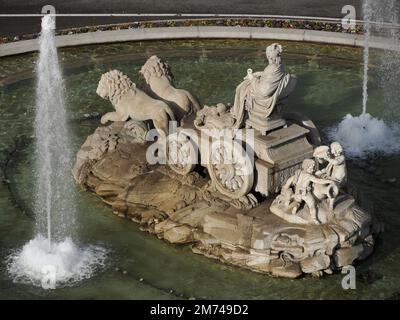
{"points": [[231, 168], [181, 153]]}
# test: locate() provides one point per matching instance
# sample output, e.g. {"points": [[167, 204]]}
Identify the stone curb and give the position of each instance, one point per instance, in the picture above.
{"points": [[200, 32]]}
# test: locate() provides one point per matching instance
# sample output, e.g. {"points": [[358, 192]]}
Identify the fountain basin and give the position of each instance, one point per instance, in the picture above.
{"points": [[147, 258], [202, 32]]}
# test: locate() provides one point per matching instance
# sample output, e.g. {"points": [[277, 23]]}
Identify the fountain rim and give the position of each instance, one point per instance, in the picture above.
{"points": [[200, 32]]}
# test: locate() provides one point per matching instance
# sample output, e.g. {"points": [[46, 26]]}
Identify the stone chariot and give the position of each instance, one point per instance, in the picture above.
{"points": [[251, 146]]}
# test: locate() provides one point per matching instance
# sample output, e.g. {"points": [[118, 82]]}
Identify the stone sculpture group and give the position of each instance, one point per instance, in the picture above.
{"points": [[291, 213]]}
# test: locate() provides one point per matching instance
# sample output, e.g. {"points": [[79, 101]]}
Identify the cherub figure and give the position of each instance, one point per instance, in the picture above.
{"points": [[335, 169], [303, 184]]}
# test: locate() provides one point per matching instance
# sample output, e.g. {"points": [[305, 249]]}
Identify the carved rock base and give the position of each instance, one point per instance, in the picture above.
{"points": [[186, 210]]}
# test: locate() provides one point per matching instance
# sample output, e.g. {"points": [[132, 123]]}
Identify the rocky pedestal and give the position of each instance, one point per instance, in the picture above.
{"points": [[186, 210]]}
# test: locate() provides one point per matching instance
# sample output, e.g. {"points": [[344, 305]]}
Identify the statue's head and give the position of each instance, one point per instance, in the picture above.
{"points": [[336, 149], [113, 85], [308, 165], [155, 67], [273, 53], [321, 153]]}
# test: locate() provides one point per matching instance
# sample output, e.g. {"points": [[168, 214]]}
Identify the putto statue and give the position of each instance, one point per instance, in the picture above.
{"points": [[131, 102], [335, 169], [309, 195], [303, 183], [159, 80]]}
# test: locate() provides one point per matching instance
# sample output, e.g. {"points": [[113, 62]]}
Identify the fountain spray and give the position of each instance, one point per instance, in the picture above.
{"points": [[367, 11], [52, 257], [364, 134], [54, 194]]}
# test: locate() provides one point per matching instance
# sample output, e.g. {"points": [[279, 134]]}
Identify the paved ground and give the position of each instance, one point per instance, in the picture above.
{"points": [[17, 26]]}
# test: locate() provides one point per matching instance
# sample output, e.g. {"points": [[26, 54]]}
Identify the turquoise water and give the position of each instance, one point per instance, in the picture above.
{"points": [[139, 266]]}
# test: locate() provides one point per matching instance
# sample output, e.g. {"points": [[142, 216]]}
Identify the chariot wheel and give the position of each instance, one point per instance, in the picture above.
{"points": [[181, 153], [313, 136], [231, 168]]}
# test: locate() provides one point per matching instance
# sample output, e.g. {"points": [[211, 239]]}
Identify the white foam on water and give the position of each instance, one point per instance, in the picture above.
{"points": [[364, 135], [64, 264]]}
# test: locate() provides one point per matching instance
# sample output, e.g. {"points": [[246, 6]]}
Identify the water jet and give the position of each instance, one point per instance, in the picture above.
{"points": [[364, 134], [52, 255]]}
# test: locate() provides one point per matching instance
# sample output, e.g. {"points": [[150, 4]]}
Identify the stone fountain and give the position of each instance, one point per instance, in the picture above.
{"points": [[248, 184]]}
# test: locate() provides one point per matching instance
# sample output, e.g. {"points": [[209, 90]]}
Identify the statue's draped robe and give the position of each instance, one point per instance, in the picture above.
{"points": [[265, 89]]}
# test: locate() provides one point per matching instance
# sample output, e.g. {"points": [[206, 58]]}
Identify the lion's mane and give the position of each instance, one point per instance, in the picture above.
{"points": [[118, 85], [154, 66]]}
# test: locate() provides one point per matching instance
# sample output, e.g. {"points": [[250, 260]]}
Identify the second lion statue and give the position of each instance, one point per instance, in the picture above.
{"points": [[131, 102], [159, 81]]}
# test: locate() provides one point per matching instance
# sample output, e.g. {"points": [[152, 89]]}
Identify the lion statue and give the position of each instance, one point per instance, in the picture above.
{"points": [[131, 102], [159, 82]]}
